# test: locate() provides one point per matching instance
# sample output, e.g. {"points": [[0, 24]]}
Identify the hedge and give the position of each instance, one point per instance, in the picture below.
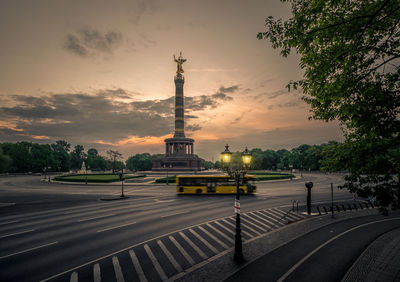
{"points": [[94, 178]]}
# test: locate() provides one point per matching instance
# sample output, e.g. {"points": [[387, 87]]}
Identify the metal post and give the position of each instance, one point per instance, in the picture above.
{"points": [[332, 199], [309, 200], [122, 182], [86, 176], [167, 177], [238, 255]]}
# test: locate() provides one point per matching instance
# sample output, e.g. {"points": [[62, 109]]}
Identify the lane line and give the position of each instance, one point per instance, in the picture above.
{"points": [[137, 266], [182, 250], [31, 249], [74, 277], [115, 227], [246, 225], [117, 269], [96, 273], [219, 232], [155, 262], [263, 225], [214, 238], [17, 233], [193, 245], [208, 245], [172, 214], [91, 218], [248, 222], [9, 222], [234, 227], [294, 267], [273, 219], [171, 258]]}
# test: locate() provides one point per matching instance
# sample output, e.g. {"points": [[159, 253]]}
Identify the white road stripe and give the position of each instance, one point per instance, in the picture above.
{"points": [[219, 232], [170, 256], [172, 214], [261, 217], [261, 224], [9, 222], [117, 269], [17, 233], [182, 250], [225, 228], [115, 227], [137, 266], [266, 214], [234, 226], [91, 218], [248, 224], [96, 273], [214, 238], [193, 245], [31, 249], [279, 216], [74, 277], [155, 262], [293, 268], [211, 247]]}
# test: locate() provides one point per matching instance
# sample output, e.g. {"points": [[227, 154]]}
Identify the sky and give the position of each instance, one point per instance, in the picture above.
{"points": [[101, 74]]}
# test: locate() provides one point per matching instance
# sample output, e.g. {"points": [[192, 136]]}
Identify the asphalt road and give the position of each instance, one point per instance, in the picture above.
{"points": [[323, 255], [64, 232]]}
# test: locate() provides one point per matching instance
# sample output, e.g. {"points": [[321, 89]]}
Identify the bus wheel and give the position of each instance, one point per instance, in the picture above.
{"points": [[198, 191], [241, 191]]}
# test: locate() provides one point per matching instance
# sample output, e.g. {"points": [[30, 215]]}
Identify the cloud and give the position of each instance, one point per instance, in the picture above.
{"points": [[230, 89], [88, 42], [142, 7], [104, 115]]}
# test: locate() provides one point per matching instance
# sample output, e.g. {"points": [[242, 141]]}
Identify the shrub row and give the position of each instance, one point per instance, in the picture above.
{"points": [[82, 178]]}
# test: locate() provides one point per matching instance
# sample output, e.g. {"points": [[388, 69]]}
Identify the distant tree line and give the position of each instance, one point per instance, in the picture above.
{"points": [[33, 157]]}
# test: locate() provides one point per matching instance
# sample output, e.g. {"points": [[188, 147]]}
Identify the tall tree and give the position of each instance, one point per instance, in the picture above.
{"points": [[78, 155], [114, 157], [5, 161], [61, 152], [350, 53]]}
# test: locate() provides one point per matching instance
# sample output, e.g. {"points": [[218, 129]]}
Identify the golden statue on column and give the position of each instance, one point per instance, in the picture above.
{"points": [[179, 63]]}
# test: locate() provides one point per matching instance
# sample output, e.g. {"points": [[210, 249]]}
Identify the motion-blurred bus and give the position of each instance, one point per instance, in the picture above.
{"points": [[210, 184]]}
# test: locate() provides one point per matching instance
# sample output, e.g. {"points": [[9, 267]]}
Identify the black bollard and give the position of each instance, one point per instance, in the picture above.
{"points": [[309, 185]]}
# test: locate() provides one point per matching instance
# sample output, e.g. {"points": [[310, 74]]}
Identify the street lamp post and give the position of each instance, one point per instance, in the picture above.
{"points": [[238, 174]]}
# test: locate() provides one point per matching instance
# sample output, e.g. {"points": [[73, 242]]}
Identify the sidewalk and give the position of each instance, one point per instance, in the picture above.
{"points": [[222, 267]]}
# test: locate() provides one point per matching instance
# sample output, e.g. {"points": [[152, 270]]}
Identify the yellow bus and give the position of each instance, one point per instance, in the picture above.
{"points": [[212, 184]]}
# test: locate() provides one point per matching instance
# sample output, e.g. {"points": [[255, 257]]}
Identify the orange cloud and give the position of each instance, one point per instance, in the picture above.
{"points": [[136, 140], [9, 126], [40, 137]]}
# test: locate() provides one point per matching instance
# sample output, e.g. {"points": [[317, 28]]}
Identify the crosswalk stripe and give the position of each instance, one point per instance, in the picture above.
{"points": [[117, 269], [170, 256], [222, 226], [74, 277], [219, 232], [271, 217], [96, 273], [265, 226], [137, 266], [155, 262], [182, 250], [211, 247], [262, 217], [243, 231], [248, 225], [194, 246], [279, 216], [214, 238]]}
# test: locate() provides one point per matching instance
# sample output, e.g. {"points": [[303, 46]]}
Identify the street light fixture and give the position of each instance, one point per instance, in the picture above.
{"points": [[238, 174]]}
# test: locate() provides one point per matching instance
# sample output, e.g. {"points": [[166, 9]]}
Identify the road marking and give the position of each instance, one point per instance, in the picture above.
{"points": [[17, 233], [219, 232], [248, 224], [9, 222], [227, 229], [80, 211], [193, 245], [96, 273], [115, 227], [182, 250], [74, 277], [255, 214], [172, 214], [137, 266], [155, 262], [214, 238], [234, 226], [211, 247], [91, 218], [277, 222], [276, 215], [31, 249], [265, 227], [294, 267], [170, 256], [117, 269]]}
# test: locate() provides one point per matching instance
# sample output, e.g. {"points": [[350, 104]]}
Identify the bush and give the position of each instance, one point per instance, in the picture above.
{"points": [[94, 178]]}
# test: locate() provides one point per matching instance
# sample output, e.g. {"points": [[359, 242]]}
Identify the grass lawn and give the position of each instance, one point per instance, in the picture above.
{"points": [[96, 178], [259, 176]]}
